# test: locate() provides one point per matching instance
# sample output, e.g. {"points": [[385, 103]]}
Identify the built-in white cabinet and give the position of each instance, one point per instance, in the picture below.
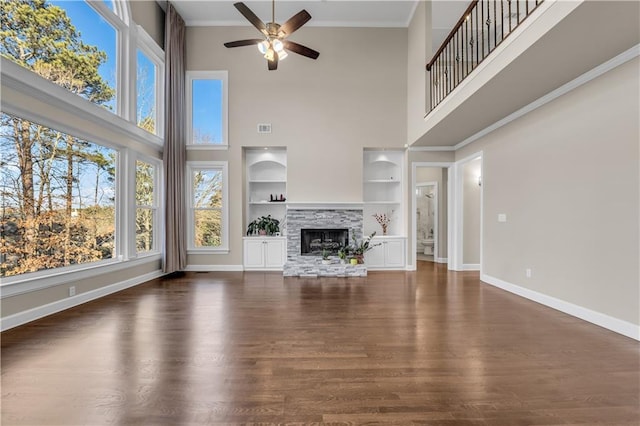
{"points": [[383, 172], [389, 254], [266, 184], [264, 253]]}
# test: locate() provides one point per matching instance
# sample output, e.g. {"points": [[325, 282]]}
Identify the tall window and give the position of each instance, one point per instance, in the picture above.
{"points": [[146, 93], [207, 108], [208, 210], [83, 46], [66, 42], [146, 206], [57, 198]]}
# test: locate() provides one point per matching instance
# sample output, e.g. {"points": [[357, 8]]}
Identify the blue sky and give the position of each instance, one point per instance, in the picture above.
{"points": [[207, 94], [207, 109], [95, 31]]}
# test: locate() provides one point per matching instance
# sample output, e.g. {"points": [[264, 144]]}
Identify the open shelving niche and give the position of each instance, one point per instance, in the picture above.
{"points": [[382, 190], [266, 175]]}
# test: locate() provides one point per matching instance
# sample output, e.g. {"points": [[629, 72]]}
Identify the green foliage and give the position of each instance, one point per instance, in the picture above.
{"points": [[360, 248], [49, 218], [40, 37], [264, 223]]}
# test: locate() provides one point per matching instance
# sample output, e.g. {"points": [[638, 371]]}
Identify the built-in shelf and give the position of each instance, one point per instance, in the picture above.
{"points": [[279, 203], [266, 176], [382, 190]]}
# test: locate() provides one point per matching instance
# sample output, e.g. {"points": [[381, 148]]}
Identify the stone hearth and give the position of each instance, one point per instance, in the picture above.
{"points": [[319, 216]]}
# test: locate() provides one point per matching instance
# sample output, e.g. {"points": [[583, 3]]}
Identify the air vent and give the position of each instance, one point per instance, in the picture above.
{"points": [[264, 128]]}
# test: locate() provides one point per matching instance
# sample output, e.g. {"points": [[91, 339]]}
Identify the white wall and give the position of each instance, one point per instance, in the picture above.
{"points": [[419, 52], [324, 112], [567, 177]]}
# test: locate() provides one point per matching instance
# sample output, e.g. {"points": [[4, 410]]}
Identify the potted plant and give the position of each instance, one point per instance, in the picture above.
{"points": [[343, 253], [360, 248], [264, 225], [325, 257]]}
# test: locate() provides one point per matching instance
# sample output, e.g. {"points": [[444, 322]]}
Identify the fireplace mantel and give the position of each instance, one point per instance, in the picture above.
{"points": [[321, 205]]}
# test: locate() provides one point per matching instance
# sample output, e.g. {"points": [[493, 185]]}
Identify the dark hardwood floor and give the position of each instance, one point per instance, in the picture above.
{"points": [[430, 347]]}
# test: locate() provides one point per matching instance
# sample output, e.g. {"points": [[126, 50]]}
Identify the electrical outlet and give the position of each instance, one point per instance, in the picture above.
{"points": [[527, 272], [72, 290], [502, 217]]}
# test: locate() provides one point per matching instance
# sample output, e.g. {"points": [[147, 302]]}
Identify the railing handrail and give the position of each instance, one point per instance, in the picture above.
{"points": [[452, 33]]}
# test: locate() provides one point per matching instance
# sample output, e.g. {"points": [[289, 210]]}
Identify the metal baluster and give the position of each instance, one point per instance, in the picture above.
{"points": [[478, 24], [501, 20], [495, 26]]}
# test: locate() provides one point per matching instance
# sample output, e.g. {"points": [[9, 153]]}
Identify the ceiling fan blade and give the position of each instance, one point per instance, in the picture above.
{"points": [[295, 22], [241, 43], [300, 49], [251, 17], [273, 65]]}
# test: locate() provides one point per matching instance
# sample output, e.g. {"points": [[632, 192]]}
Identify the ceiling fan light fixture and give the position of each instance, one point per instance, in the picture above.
{"points": [[270, 54], [273, 46], [277, 45], [263, 47]]}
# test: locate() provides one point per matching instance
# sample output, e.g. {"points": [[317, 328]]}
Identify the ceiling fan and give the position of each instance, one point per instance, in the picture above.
{"points": [[274, 47]]}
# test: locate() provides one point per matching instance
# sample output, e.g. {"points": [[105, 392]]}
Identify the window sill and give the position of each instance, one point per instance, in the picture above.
{"points": [[34, 281], [208, 251], [203, 147]]}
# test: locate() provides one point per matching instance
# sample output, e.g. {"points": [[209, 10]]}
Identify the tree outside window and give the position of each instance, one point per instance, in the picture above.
{"points": [[208, 209], [145, 206], [146, 93], [57, 198], [66, 42]]}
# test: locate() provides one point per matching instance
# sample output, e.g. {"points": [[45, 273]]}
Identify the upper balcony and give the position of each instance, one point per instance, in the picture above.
{"points": [[505, 54]]}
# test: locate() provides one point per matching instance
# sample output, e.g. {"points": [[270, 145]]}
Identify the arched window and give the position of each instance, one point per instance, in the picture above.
{"points": [[83, 46]]}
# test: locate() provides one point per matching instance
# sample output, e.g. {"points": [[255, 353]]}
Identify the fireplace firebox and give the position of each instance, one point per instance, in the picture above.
{"points": [[316, 241]]}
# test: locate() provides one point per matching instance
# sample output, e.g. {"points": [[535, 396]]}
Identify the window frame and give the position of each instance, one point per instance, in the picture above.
{"points": [[191, 167], [147, 45], [29, 96], [207, 75], [156, 207], [119, 250]]}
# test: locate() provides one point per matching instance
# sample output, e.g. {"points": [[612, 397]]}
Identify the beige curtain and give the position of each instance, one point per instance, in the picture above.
{"points": [[175, 155]]}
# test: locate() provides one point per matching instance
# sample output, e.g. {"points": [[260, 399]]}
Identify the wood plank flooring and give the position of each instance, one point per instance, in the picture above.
{"points": [[428, 348]]}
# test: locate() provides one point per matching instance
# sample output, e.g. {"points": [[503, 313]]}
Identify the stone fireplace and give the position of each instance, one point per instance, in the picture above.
{"points": [[326, 226], [315, 242]]}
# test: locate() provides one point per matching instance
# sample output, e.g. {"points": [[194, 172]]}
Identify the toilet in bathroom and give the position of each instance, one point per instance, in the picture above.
{"points": [[428, 246]]}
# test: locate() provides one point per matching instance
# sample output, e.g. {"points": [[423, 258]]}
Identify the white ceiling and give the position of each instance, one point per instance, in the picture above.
{"points": [[325, 13]]}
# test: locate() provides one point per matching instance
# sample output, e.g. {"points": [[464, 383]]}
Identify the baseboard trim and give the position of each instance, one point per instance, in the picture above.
{"points": [[214, 268], [442, 260], [33, 314], [471, 267], [610, 323]]}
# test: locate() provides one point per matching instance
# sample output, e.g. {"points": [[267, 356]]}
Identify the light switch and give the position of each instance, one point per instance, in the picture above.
{"points": [[502, 217]]}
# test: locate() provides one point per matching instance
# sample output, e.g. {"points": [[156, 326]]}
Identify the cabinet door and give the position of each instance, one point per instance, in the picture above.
{"points": [[254, 253], [394, 253], [274, 254], [375, 256]]}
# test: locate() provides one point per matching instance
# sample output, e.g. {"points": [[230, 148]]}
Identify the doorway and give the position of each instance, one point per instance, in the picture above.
{"points": [[426, 221]]}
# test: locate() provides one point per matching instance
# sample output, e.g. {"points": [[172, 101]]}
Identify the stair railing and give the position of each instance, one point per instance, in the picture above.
{"points": [[481, 28]]}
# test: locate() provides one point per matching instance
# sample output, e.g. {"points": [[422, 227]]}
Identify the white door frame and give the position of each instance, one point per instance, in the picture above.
{"points": [[414, 243], [456, 213], [435, 218]]}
